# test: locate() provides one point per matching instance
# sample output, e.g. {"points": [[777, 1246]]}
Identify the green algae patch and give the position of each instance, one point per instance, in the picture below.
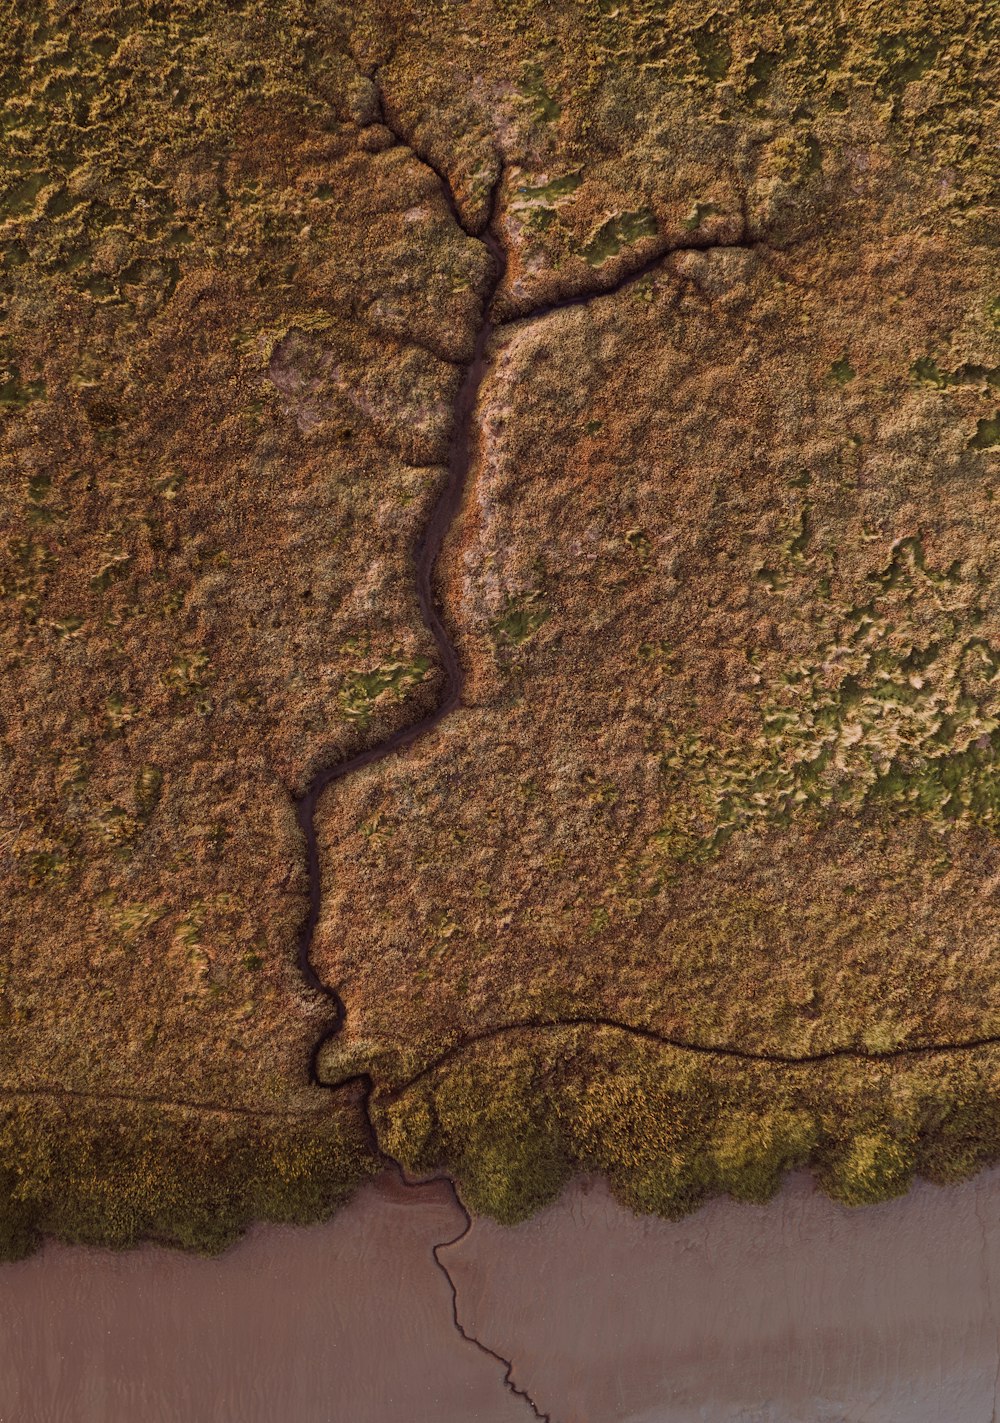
{"points": [[906, 57], [617, 233], [926, 371], [987, 435], [361, 690], [521, 620], [544, 108], [554, 189], [537, 205], [715, 53], [16, 393], [21, 198], [697, 216], [842, 372], [759, 73]]}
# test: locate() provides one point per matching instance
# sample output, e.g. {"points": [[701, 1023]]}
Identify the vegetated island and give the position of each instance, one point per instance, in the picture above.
{"points": [[586, 416]]}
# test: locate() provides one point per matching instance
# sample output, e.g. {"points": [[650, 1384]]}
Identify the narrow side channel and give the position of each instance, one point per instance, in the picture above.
{"points": [[461, 454]]}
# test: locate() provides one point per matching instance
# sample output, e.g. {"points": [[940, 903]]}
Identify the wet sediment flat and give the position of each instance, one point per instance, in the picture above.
{"points": [[346, 1322], [801, 1311], [798, 1310]]}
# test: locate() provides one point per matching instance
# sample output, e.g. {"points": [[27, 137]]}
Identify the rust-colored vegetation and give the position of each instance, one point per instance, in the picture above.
{"points": [[724, 582]]}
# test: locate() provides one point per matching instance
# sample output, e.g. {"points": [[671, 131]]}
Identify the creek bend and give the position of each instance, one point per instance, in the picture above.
{"points": [[462, 454], [460, 457], [798, 1310]]}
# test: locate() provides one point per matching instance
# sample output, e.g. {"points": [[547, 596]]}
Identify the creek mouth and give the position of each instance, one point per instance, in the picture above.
{"points": [[461, 454]]}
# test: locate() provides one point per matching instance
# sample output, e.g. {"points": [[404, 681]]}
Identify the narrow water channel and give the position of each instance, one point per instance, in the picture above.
{"points": [[797, 1312]]}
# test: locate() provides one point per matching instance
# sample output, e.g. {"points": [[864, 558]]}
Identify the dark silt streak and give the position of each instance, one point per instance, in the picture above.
{"points": [[460, 460], [508, 1364]]}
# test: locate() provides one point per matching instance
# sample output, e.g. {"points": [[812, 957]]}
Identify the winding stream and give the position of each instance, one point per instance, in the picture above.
{"points": [[460, 460], [462, 452], [460, 456], [801, 1308]]}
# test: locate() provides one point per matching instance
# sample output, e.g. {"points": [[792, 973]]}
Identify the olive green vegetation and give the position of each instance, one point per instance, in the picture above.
{"points": [[121, 1172], [722, 585], [728, 600], [665, 113], [670, 1131], [910, 722], [217, 442]]}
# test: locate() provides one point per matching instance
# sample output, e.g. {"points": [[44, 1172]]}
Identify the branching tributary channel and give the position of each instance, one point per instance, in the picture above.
{"points": [[462, 453], [460, 457]]}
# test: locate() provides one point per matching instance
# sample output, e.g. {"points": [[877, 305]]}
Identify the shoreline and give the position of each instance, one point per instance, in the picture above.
{"points": [[798, 1308]]}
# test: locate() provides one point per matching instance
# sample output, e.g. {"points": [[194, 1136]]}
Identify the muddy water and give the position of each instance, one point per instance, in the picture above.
{"points": [[798, 1312]]}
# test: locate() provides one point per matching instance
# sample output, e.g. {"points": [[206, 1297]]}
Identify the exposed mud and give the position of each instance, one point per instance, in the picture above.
{"points": [[351, 1321], [462, 453], [797, 1310], [801, 1309], [460, 460]]}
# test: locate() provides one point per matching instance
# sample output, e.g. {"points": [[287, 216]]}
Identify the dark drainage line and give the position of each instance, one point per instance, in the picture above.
{"points": [[460, 457]]}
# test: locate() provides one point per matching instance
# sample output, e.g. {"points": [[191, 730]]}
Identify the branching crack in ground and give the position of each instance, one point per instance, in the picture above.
{"points": [[429, 546]]}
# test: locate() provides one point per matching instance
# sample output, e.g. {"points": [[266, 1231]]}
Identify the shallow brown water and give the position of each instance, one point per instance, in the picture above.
{"points": [[797, 1312]]}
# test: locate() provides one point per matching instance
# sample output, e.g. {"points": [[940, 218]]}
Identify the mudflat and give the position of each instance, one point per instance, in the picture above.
{"points": [[348, 1321], [800, 1309]]}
